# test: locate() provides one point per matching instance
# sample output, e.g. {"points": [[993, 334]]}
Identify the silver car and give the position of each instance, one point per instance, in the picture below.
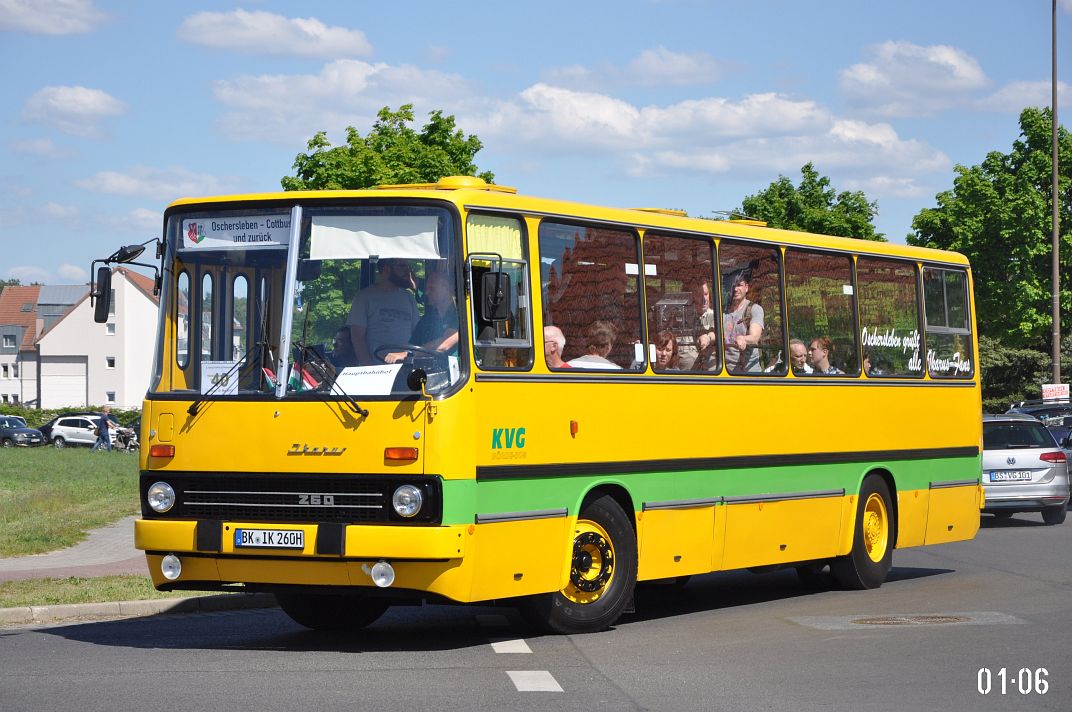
{"points": [[1024, 470]]}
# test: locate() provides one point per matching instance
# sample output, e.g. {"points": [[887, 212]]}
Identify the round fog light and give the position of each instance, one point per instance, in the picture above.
{"points": [[171, 567], [161, 497], [383, 574], [407, 501]]}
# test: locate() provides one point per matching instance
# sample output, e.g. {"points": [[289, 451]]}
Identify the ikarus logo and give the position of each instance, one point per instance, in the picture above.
{"points": [[507, 443]]}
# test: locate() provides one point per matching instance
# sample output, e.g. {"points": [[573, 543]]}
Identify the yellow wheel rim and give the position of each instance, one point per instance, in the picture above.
{"points": [[876, 533], [592, 566]]}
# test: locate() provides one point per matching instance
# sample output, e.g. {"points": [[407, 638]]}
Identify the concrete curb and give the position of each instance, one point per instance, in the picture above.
{"points": [[135, 609]]}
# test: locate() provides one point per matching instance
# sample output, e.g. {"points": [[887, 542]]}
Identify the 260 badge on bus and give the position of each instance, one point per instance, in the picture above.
{"points": [[269, 538]]}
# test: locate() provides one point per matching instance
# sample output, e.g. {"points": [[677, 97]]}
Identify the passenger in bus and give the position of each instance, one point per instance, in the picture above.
{"points": [[385, 313], [554, 342], [601, 336], [705, 341], [873, 366], [742, 325], [798, 357], [666, 354], [437, 330], [819, 357], [342, 349]]}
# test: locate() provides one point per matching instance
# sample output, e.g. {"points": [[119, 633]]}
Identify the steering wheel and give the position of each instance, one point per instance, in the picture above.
{"points": [[413, 348]]}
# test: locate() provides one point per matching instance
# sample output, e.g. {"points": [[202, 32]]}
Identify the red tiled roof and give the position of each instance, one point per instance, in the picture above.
{"points": [[11, 301], [143, 283]]}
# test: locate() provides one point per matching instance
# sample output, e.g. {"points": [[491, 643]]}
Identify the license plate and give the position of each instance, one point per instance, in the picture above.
{"points": [[1011, 476], [269, 538]]}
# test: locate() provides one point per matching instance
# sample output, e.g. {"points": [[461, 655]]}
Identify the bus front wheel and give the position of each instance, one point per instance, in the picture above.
{"points": [[329, 611], [603, 570], [869, 561]]}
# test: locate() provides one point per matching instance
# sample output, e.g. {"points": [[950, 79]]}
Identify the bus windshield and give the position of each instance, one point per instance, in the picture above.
{"points": [[349, 306]]}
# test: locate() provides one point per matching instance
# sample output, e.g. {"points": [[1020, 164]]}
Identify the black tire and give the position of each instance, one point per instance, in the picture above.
{"points": [[332, 612], [58, 442], [7, 442], [602, 577], [867, 565], [1054, 515]]}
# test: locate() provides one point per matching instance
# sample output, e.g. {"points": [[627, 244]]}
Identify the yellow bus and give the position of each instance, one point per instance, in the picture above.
{"points": [[452, 392]]}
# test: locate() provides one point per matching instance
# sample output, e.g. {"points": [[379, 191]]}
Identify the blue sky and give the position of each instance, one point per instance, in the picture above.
{"points": [[114, 109]]}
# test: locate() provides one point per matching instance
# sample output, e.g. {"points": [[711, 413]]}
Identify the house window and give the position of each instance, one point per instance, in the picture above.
{"points": [[14, 370], [110, 329], [9, 341], [3, 370], [110, 360], [110, 396], [111, 302], [5, 397], [14, 397]]}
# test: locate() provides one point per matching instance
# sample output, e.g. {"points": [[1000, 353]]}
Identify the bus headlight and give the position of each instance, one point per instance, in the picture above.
{"points": [[161, 497], [407, 501]]}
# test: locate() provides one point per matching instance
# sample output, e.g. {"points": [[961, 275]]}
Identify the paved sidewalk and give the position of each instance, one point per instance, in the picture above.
{"points": [[109, 550], [106, 551]]}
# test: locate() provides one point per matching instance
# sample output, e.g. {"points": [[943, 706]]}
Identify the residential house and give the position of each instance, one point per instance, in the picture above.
{"points": [[83, 363], [18, 358]]}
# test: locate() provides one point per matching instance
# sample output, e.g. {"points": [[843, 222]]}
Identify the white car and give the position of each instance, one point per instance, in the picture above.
{"points": [[76, 430]]}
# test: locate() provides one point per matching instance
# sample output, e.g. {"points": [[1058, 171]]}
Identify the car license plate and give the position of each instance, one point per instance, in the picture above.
{"points": [[1011, 476], [269, 538]]}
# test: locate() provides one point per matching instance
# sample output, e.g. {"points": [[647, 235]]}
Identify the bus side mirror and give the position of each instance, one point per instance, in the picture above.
{"points": [[102, 294], [495, 301]]}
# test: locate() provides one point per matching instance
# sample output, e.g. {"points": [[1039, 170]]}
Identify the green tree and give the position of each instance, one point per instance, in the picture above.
{"points": [[1010, 374], [998, 214], [814, 206], [9, 283], [392, 152]]}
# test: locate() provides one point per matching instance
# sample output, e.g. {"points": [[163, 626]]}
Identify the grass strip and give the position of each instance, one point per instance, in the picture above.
{"points": [[77, 589], [50, 498]]}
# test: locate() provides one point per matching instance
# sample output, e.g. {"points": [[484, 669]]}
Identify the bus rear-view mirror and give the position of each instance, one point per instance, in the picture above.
{"points": [[102, 294], [495, 304]]}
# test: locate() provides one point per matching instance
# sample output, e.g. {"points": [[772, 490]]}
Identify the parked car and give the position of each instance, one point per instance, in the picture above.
{"points": [[1056, 415], [76, 430], [1024, 470], [13, 432]]}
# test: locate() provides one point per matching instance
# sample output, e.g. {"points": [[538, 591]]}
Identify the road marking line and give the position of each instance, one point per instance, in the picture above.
{"points": [[534, 681], [510, 646]]}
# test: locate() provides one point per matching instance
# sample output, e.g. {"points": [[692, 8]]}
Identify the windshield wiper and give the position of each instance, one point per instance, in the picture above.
{"points": [[322, 374]]}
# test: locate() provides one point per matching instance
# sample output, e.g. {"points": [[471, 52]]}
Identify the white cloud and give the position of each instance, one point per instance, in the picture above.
{"points": [[905, 79], [1015, 96], [50, 17], [140, 221], [28, 273], [60, 212], [164, 184], [265, 33], [290, 108], [44, 147], [756, 135], [74, 110], [658, 66], [72, 273], [1065, 5]]}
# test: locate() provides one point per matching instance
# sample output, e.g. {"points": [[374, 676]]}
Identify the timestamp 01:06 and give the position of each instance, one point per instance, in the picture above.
{"points": [[1024, 681]]}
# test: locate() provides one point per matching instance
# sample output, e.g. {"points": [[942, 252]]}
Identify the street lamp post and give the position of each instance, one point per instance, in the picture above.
{"points": [[1054, 196]]}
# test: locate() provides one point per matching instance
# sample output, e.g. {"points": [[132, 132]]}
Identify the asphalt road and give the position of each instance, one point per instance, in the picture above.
{"points": [[734, 641]]}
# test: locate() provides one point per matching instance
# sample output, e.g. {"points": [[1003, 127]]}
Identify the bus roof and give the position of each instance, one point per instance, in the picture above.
{"points": [[474, 193]]}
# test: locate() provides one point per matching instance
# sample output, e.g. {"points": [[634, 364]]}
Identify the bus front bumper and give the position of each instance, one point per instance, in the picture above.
{"points": [[426, 559]]}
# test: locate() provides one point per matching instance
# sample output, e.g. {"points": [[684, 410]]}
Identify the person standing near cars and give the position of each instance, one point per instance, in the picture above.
{"points": [[104, 430]]}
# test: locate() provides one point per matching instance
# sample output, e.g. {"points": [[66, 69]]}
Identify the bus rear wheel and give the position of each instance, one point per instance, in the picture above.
{"points": [[331, 611], [867, 565], [603, 572]]}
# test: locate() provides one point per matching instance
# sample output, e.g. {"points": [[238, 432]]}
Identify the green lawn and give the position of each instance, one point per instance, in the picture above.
{"points": [[74, 589], [50, 498]]}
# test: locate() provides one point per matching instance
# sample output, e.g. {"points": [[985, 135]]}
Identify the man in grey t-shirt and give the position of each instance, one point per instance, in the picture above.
{"points": [[384, 313]]}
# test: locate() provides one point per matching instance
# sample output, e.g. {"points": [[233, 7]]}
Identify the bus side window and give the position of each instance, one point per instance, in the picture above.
{"points": [[888, 296], [591, 291], [497, 244], [753, 340], [948, 330], [678, 284], [819, 301]]}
